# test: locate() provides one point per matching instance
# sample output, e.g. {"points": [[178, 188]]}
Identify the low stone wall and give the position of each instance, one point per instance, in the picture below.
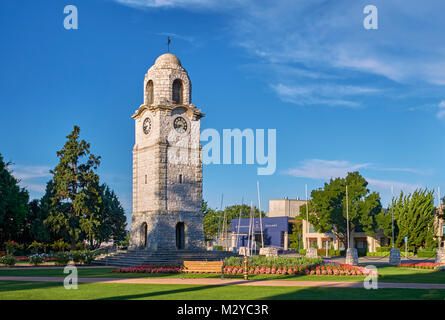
{"points": [[269, 252]]}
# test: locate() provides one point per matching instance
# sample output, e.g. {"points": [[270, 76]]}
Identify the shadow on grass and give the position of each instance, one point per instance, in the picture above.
{"points": [[8, 286], [169, 292], [359, 294]]}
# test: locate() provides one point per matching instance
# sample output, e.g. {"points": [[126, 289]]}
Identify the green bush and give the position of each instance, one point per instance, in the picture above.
{"points": [[8, 260], [60, 245], [62, 258], [333, 252], [383, 249], [261, 261], [36, 259], [89, 256], [77, 256], [426, 253], [303, 252], [386, 254]]}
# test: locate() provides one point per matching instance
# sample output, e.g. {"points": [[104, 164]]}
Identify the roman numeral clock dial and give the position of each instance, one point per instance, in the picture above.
{"points": [[146, 126], [180, 124]]}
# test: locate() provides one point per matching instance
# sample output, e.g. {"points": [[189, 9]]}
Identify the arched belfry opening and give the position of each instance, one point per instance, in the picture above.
{"points": [[149, 94], [177, 93], [180, 236], [144, 235]]}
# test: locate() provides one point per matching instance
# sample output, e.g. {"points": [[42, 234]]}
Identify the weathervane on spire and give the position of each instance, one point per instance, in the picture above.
{"points": [[168, 44]]}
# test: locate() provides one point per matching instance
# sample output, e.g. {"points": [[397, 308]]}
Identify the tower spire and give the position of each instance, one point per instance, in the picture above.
{"points": [[168, 44]]}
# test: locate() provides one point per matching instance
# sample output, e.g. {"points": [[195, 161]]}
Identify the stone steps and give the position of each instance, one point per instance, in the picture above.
{"points": [[137, 258]]}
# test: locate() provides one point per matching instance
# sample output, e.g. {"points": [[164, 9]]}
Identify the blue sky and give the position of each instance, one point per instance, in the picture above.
{"points": [[341, 97]]}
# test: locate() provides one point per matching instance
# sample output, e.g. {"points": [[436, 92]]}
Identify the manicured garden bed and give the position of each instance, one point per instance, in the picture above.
{"points": [[423, 265]]}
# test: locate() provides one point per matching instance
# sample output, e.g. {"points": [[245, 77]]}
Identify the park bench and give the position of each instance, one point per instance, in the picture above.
{"points": [[202, 267]]}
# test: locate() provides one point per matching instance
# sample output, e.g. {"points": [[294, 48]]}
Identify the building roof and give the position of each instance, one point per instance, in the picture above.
{"points": [[167, 60]]}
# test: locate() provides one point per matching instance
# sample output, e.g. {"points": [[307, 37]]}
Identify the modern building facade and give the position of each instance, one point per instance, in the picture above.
{"points": [[275, 232], [312, 239]]}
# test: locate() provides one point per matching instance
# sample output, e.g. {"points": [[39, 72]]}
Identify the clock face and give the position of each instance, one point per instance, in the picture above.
{"points": [[146, 126], [180, 124]]}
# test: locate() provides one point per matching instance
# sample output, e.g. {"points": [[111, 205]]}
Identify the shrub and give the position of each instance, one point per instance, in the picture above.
{"points": [[62, 258], [77, 256], [89, 256], [333, 252], [35, 246], [383, 249], [60, 245], [426, 253], [36, 259], [303, 252], [11, 247], [8, 260]]}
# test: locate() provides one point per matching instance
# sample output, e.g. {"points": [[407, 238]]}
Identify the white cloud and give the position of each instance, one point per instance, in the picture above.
{"points": [[301, 41], [327, 94], [396, 185], [324, 169], [32, 178], [186, 4], [441, 113], [29, 172]]}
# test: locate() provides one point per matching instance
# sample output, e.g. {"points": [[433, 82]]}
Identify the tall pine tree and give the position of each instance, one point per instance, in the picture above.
{"points": [[76, 199]]}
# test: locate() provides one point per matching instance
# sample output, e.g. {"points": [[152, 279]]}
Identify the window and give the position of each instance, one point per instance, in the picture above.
{"points": [[443, 229], [177, 91], [180, 178], [149, 92], [145, 179]]}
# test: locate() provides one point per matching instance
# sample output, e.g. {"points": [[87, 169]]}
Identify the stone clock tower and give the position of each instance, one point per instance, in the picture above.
{"points": [[167, 164]]}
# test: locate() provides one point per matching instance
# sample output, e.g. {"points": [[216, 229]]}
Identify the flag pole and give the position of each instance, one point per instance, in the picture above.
{"points": [[307, 221], [392, 215], [347, 218], [261, 220]]}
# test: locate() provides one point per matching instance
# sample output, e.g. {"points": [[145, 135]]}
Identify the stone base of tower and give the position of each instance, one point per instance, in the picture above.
{"points": [[166, 231]]}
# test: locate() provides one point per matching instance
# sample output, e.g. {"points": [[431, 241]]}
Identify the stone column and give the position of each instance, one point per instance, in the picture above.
{"points": [[440, 255], [286, 241], [352, 256], [311, 253], [394, 256]]}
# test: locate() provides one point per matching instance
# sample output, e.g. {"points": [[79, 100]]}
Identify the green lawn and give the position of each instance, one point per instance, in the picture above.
{"points": [[43, 291], [388, 274]]}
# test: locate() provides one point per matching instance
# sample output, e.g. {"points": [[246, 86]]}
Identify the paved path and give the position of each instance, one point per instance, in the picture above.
{"points": [[229, 282]]}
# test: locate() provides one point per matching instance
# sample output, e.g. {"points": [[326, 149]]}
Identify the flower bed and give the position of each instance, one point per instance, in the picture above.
{"points": [[423, 265], [335, 269], [149, 269]]}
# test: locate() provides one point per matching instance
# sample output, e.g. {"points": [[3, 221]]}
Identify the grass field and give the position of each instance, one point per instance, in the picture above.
{"points": [[387, 274], [43, 290]]}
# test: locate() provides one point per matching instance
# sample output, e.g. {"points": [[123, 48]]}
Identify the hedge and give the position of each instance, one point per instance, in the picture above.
{"points": [[426, 253]]}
